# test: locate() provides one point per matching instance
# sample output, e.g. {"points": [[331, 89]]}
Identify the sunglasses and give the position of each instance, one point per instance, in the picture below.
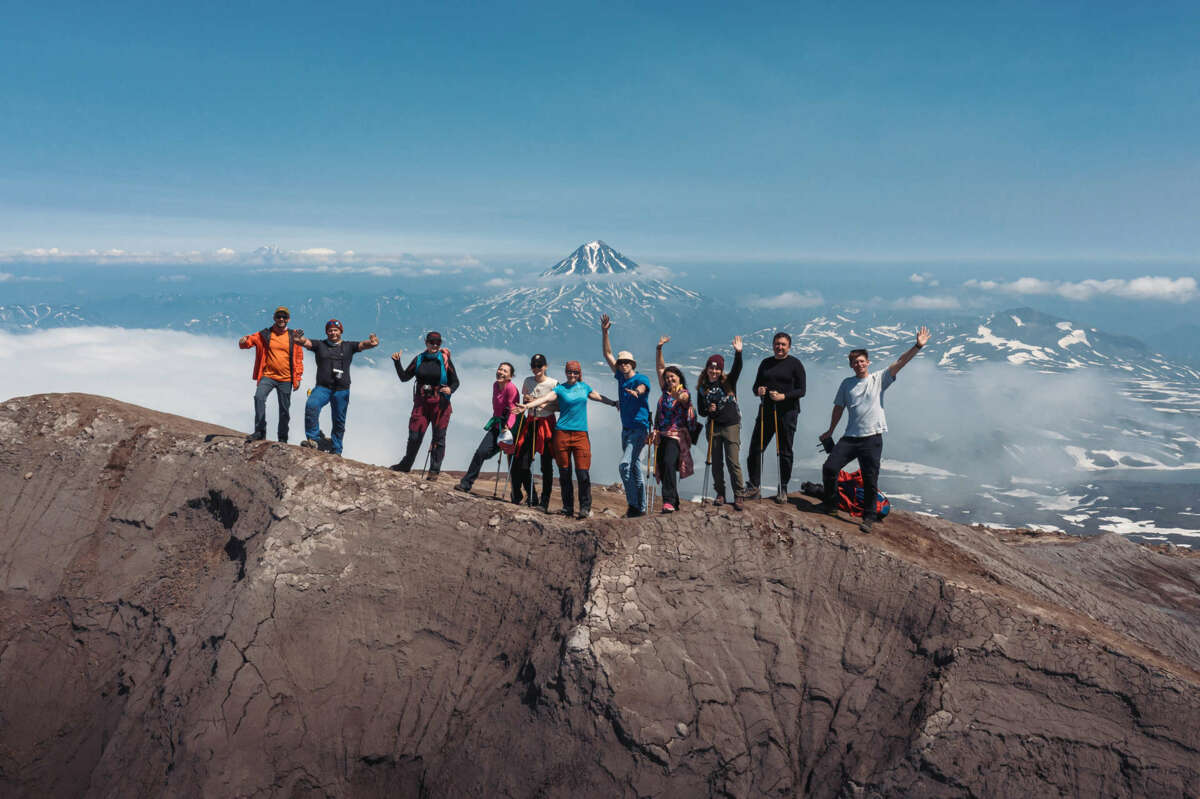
{"points": [[433, 341], [574, 372], [282, 316]]}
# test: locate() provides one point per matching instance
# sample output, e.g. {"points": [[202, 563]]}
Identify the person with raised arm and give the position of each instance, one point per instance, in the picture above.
{"points": [[333, 356], [633, 397], [571, 441], [862, 397], [716, 398], [535, 436], [672, 430], [435, 379], [504, 400]]}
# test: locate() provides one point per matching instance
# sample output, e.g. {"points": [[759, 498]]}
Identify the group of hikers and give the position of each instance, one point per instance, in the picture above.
{"points": [[546, 420]]}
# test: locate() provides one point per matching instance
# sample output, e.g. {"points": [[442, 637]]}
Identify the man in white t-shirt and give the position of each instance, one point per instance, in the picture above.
{"points": [[862, 396]]}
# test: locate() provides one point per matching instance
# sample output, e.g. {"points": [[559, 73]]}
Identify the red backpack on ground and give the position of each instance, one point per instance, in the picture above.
{"points": [[850, 496]]}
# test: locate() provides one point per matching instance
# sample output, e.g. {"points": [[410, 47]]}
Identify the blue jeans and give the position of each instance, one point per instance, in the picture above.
{"points": [[337, 401], [283, 391], [633, 439]]}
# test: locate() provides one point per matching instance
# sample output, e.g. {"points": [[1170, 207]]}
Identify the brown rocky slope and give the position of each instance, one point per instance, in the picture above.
{"points": [[185, 614]]}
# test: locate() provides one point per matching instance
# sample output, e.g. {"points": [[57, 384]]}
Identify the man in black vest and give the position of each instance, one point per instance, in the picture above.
{"points": [[333, 383]]}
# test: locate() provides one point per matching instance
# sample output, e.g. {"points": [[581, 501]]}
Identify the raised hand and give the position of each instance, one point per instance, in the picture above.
{"points": [[605, 322], [396, 356], [663, 340], [373, 340], [922, 336], [737, 343]]}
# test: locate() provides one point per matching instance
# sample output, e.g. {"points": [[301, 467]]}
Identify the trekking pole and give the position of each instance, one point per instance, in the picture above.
{"points": [[761, 423], [650, 477], [778, 457], [507, 472], [530, 500], [707, 464], [516, 453], [428, 454], [496, 484]]}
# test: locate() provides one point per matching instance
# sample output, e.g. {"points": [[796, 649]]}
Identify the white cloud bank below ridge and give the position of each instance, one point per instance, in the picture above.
{"points": [[787, 299], [1153, 288]]}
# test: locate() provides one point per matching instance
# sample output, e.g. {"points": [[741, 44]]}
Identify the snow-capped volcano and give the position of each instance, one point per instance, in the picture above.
{"points": [[563, 305], [593, 258]]}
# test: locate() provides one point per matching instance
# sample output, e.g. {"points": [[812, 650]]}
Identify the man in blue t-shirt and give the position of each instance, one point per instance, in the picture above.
{"points": [[862, 396], [633, 395]]}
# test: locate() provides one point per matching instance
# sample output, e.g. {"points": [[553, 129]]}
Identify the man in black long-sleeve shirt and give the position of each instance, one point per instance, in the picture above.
{"points": [[779, 385], [436, 380]]}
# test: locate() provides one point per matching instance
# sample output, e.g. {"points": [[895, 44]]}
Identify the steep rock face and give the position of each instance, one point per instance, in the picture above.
{"points": [[185, 614]]}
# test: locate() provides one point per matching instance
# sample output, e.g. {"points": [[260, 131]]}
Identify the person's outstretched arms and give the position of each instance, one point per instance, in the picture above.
{"points": [[545, 399], [605, 324], [659, 364], [910, 353], [596, 396], [371, 342], [405, 374], [246, 342]]}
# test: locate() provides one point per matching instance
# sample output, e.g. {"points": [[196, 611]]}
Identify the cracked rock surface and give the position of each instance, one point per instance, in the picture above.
{"points": [[186, 614]]}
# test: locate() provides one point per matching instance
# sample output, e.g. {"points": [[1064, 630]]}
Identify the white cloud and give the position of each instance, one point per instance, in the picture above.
{"points": [[321, 252], [208, 378], [172, 278], [788, 299], [922, 302], [1152, 288], [225, 252], [497, 283], [924, 278]]}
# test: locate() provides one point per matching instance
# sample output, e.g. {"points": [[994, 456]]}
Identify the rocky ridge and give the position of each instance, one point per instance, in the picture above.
{"points": [[186, 614]]}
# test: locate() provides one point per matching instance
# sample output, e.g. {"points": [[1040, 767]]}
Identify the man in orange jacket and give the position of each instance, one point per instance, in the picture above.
{"points": [[278, 366]]}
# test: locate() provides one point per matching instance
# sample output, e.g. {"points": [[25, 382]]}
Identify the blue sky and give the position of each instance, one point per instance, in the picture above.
{"points": [[761, 130]]}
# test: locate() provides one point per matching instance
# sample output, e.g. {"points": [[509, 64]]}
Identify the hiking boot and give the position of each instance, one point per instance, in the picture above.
{"points": [[545, 509], [431, 476], [737, 502], [398, 467], [633, 513], [584, 514], [257, 437], [751, 492], [719, 500], [462, 488], [667, 507], [568, 512], [866, 524], [780, 499], [828, 508], [308, 443]]}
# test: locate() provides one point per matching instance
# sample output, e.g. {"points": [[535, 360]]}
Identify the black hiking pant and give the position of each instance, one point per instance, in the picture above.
{"points": [[868, 451], [668, 469], [584, 479], [486, 450], [764, 431], [522, 471]]}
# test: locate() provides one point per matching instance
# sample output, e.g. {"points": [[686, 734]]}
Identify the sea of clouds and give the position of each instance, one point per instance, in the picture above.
{"points": [[977, 425]]}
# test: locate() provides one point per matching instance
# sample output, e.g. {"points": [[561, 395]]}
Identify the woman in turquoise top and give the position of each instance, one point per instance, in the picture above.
{"points": [[570, 436]]}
